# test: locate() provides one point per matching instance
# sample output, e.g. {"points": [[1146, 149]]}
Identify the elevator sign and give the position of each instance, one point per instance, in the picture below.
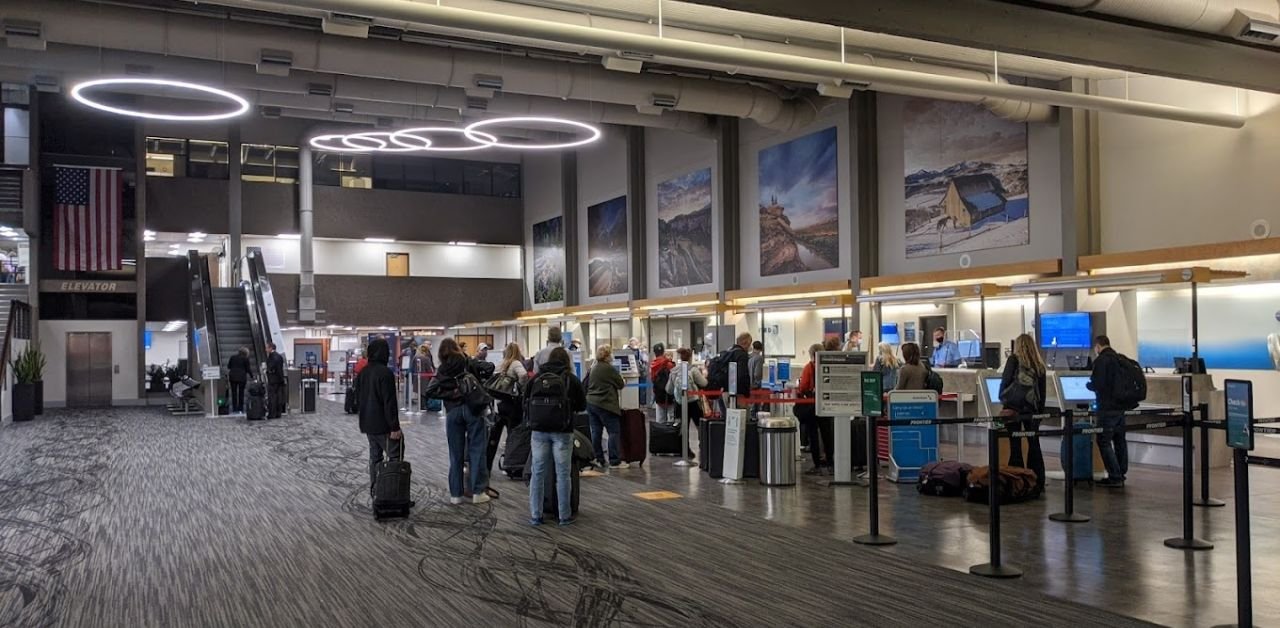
{"points": [[89, 286]]}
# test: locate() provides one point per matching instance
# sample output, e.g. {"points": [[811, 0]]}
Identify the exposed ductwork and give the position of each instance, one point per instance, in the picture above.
{"points": [[1207, 16], [113, 27], [677, 51]]}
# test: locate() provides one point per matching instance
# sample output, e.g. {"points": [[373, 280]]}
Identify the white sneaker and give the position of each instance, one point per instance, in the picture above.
{"points": [[479, 498], [622, 465], [455, 500]]}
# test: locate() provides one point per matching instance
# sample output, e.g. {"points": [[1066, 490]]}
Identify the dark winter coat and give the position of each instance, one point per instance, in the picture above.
{"points": [[375, 390]]}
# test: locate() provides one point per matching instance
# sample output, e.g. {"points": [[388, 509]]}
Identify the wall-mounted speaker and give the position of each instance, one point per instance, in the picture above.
{"points": [[1260, 229], [966, 261]]}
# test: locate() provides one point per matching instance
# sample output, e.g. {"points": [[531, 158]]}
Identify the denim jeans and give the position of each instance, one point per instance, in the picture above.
{"points": [[379, 443], [1112, 445], [545, 446], [600, 420], [466, 433], [663, 413]]}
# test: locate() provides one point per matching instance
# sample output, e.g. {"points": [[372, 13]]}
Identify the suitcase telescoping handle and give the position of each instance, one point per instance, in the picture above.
{"points": [[386, 451]]}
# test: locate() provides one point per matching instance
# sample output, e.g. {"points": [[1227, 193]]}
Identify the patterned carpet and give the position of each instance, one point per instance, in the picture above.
{"points": [[128, 517]]}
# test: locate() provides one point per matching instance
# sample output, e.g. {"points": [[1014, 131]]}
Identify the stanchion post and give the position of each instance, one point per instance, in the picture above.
{"points": [[996, 568], [1187, 541], [873, 493], [1068, 514], [1204, 501]]}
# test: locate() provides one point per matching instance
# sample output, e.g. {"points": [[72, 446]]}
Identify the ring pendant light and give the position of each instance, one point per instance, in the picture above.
{"points": [[381, 141], [471, 132], [398, 138], [239, 105]]}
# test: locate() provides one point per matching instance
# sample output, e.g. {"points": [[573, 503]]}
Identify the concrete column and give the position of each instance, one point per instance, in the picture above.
{"points": [[636, 205], [865, 173], [569, 208], [1077, 155], [730, 172], [235, 225], [307, 278], [140, 253]]}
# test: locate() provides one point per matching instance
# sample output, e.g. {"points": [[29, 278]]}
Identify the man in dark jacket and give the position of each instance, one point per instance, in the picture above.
{"points": [[379, 411], [238, 368], [276, 390], [740, 353], [1112, 445]]}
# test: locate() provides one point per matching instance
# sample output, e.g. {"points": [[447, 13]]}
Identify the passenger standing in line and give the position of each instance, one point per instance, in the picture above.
{"points": [[509, 410], [642, 366], [912, 375], [887, 364], [806, 413], [1112, 444], [697, 381], [466, 431], [238, 369], [276, 389], [603, 407], [378, 408], [755, 364], [1022, 392], [557, 445], [555, 340], [660, 375], [854, 341], [425, 366]]}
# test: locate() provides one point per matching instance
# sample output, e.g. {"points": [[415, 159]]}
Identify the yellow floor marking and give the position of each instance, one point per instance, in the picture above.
{"points": [[657, 495]]}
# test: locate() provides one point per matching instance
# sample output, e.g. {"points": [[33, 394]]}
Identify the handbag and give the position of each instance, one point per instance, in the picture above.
{"points": [[503, 386], [473, 393]]}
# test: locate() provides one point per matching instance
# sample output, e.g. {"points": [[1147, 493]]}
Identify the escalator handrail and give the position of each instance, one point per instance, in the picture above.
{"points": [[201, 302], [258, 316]]}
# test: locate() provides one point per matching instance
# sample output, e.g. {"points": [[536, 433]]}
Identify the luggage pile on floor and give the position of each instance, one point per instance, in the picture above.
{"points": [[952, 478]]}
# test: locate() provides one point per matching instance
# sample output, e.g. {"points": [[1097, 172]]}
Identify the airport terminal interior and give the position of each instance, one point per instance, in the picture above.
{"points": [[639, 313]]}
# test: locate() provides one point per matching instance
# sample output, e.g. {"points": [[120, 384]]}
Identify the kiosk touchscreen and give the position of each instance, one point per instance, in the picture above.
{"points": [[993, 389], [1075, 389], [629, 366]]}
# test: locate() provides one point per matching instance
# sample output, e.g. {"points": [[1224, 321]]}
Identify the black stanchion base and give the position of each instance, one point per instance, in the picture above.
{"points": [[875, 539], [1227, 626], [1069, 517], [1208, 503], [987, 570], [1188, 544]]}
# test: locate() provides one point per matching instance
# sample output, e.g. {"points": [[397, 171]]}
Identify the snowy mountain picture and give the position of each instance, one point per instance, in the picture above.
{"points": [[684, 230], [966, 181], [548, 260], [607, 263]]}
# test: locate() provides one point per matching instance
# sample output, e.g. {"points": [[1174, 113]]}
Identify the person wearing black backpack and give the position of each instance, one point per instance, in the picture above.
{"points": [[718, 369], [464, 425], [1110, 371], [1022, 393], [660, 375], [551, 400]]}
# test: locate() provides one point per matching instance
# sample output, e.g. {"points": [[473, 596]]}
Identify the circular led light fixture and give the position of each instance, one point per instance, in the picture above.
{"points": [[379, 142], [424, 144], [471, 131], [238, 105]]}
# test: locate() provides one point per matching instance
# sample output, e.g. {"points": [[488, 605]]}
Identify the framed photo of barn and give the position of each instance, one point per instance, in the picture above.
{"points": [[966, 179]]}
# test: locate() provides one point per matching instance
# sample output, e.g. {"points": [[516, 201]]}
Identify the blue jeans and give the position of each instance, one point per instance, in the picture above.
{"points": [[466, 433], [600, 420], [544, 446], [1112, 445]]}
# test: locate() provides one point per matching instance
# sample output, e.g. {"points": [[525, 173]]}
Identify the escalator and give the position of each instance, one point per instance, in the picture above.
{"points": [[231, 320]]}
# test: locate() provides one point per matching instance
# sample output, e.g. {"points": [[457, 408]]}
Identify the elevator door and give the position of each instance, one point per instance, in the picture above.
{"points": [[88, 369]]}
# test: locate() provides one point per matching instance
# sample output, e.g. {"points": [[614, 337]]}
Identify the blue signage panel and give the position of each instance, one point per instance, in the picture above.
{"points": [[912, 446], [1239, 396]]}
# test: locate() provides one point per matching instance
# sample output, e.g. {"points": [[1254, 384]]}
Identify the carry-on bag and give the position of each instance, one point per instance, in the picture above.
{"points": [[255, 401], [1015, 485], [516, 454], [1082, 463], [664, 439], [551, 499], [349, 401], [391, 489], [947, 478], [633, 446]]}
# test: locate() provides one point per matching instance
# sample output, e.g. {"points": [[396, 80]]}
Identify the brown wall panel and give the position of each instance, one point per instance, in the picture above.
{"points": [[358, 300]]}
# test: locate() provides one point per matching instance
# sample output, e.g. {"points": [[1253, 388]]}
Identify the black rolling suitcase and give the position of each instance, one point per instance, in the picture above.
{"points": [[349, 401], [664, 439], [516, 454], [551, 499], [255, 401], [391, 489]]}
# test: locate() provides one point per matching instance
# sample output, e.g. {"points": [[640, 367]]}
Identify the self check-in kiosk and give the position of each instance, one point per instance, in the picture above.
{"points": [[628, 365]]}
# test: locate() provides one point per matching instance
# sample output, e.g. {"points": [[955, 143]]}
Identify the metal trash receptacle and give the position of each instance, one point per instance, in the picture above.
{"points": [[777, 450], [310, 392]]}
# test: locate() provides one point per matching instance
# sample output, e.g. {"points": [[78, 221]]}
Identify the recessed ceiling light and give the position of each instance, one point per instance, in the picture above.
{"points": [[176, 252], [381, 240], [197, 234], [289, 236], [148, 232], [238, 105], [149, 238], [462, 243]]}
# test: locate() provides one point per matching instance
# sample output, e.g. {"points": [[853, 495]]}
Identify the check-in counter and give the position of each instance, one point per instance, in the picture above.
{"points": [[960, 398]]}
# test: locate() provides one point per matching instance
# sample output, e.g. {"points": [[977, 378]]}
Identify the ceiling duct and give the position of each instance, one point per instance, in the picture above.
{"points": [[275, 62], [320, 89], [346, 25], [1206, 16], [25, 34]]}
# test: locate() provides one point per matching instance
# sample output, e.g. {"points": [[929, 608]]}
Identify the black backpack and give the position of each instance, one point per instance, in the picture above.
{"points": [[473, 393], [718, 371], [1130, 386], [932, 380], [660, 381], [546, 409]]}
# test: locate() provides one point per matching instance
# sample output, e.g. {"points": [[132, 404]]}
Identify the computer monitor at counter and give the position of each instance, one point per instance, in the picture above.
{"points": [[1075, 389], [993, 388]]}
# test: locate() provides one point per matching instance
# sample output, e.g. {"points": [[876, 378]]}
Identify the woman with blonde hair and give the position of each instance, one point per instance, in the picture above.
{"points": [[509, 409], [887, 364], [1022, 393]]}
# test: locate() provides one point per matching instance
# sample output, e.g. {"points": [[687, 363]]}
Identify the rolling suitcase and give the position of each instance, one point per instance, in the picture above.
{"points": [[1082, 463], [516, 453], [255, 401], [550, 498], [632, 445], [664, 439], [349, 401], [714, 452], [391, 489], [703, 458]]}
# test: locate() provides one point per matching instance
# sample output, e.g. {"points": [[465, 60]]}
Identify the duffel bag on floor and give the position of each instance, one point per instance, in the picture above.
{"points": [[947, 478], [1014, 485]]}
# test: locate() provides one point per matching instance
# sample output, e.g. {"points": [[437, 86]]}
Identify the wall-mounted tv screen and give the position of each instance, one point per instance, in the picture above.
{"points": [[1066, 330], [889, 334]]}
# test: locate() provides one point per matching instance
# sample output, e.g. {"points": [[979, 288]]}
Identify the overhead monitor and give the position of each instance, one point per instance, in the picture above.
{"points": [[1075, 388], [1066, 330], [993, 389], [889, 334], [970, 350]]}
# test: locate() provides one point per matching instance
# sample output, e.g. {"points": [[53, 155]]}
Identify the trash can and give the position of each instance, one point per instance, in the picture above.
{"points": [[777, 446], [310, 391]]}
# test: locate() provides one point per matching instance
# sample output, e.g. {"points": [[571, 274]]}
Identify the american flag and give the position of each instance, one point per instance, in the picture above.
{"points": [[87, 218]]}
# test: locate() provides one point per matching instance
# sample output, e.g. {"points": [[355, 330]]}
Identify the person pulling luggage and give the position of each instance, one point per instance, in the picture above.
{"points": [[378, 408]]}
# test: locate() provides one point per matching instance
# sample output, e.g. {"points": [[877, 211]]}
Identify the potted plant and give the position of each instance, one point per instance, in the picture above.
{"points": [[27, 367]]}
